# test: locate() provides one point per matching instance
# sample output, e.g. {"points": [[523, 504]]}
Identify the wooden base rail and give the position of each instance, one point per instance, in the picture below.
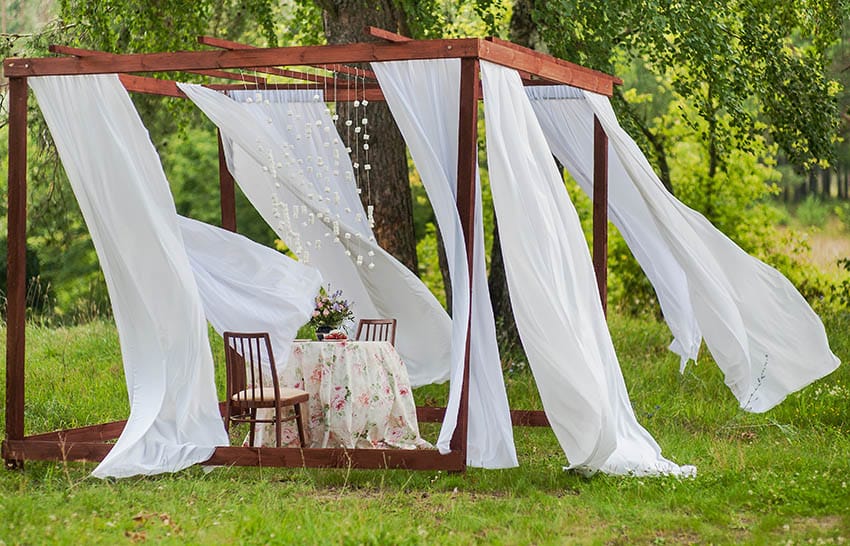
{"points": [[519, 418], [27, 449]]}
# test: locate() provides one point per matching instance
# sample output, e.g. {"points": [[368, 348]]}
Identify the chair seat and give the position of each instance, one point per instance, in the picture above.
{"points": [[288, 396]]}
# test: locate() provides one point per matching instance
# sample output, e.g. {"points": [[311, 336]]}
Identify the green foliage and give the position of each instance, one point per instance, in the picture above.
{"points": [[812, 212], [742, 60]]}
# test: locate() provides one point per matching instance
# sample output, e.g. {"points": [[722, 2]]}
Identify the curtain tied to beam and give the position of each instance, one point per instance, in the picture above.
{"points": [[116, 175]]}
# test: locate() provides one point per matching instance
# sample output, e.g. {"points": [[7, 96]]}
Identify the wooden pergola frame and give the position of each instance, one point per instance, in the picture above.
{"points": [[92, 443]]}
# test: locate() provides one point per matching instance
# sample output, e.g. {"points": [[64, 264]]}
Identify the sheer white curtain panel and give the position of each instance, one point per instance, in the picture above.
{"points": [[248, 287], [567, 121], [424, 98], [303, 209], [117, 178], [554, 295], [762, 333]]}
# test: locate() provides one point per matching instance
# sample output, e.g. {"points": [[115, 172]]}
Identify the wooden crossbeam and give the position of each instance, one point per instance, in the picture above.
{"points": [[386, 35], [221, 43], [223, 74]]}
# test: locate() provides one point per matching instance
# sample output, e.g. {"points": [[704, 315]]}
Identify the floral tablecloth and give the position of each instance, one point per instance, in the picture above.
{"points": [[360, 397]]}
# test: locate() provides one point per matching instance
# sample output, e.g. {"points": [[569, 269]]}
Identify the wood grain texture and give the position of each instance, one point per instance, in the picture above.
{"points": [[600, 211], [251, 456], [243, 58], [226, 189], [466, 184], [16, 276]]}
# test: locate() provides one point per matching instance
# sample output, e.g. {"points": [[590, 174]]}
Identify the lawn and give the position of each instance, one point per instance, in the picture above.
{"points": [[775, 478]]}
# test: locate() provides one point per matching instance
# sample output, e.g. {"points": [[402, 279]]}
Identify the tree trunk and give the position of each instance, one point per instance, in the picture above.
{"points": [[388, 188], [826, 183]]}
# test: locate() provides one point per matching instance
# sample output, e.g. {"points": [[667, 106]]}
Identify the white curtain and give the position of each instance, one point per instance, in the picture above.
{"points": [[302, 202], [424, 97], [567, 121], [248, 287], [116, 175], [762, 333], [554, 295]]}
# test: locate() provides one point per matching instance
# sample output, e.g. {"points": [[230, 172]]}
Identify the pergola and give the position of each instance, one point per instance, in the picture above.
{"points": [[92, 443]]}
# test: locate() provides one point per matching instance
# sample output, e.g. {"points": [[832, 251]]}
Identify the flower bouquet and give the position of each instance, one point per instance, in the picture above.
{"points": [[330, 313]]}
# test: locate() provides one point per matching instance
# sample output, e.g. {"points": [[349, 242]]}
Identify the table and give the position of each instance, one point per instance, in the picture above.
{"points": [[360, 397]]}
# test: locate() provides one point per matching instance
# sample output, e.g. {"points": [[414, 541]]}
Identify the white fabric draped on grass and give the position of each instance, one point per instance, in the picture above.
{"points": [[554, 295], [248, 287], [424, 98], [303, 208], [762, 333], [567, 122], [124, 196]]}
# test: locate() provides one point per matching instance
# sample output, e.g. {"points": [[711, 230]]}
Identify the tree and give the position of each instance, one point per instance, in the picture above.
{"points": [[344, 22]]}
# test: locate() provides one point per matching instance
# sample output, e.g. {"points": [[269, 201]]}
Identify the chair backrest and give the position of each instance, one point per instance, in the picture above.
{"points": [[376, 330], [249, 363]]}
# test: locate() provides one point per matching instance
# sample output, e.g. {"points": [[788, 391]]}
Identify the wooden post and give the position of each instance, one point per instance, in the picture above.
{"points": [[600, 211], [16, 272], [227, 190], [466, 180]]}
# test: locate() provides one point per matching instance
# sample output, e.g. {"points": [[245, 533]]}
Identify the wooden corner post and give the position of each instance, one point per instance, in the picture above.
{"points": [[227, 190], [466, 180], [600, 211], [16, 272]]}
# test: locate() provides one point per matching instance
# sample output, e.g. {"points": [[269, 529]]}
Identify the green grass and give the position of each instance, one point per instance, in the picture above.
{"points": [[774, 478]]}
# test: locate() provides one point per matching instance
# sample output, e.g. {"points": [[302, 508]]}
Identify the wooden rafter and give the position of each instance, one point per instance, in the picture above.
{"points": [[223, 74], [220, 43]]}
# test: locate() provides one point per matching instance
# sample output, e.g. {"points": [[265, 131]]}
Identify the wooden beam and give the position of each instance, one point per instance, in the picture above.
{"points": [[600, 211], [223, 74], [519, 418], [92, 433], [423, 459], [231, 45], [466, 180], [227, 190], [547, 67], [168, 88], [392, 37], [280, 56], [16, 272]]}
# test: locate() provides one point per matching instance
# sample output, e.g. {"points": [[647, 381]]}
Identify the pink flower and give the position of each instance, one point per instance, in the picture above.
{"points": [[326, 312], [364, 399], [338, 403], [315, 313], [403, 391]]}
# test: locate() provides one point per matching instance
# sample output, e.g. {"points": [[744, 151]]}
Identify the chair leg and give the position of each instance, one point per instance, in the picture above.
{"points": [[277, 426], [300, 424], [252, 424]]}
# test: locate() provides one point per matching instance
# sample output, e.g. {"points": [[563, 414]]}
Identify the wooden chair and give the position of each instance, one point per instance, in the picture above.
{"points": [[376, 330], [249, 362]]}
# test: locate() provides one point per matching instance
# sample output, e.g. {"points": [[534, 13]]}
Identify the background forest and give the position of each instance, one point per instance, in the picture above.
{"points": [[742, 107]]}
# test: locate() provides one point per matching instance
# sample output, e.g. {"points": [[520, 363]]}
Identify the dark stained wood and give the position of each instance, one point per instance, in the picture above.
{"points": [[244, 58], [16, 275], [91, 433], [168, 88], [600, 211], [252, 456], [227, 190], [466, 180], [223, 74], [337, 458], [55, 451], [547, 67], [386, 35], [220, 43], [519, 418]]}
